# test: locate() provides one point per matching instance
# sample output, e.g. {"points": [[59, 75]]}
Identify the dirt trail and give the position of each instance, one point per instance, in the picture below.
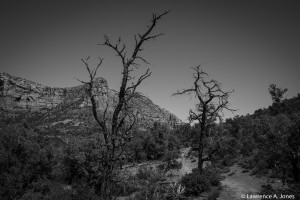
{"points": [[238, 184], [235, 184], [187, 164]]}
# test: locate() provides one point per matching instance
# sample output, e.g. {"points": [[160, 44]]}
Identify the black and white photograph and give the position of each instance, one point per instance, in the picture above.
{"points": [[149, 100]]}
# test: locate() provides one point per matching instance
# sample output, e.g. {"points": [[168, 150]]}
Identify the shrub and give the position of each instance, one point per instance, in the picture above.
{"points": [[24, 160], [293, 189], [147, 173], [83, 192], [196, 182], [149, 180], [211, 175], [248, 163], [155, 191], [175, 192], [151, 191], [141, 155], [213, 195], [170, 158], [127, 186], [161, 167], [48, 190], [144, 173], [231, 173], [221, 169]]}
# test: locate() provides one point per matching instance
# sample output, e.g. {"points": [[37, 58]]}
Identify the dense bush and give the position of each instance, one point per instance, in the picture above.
{"points": [[161, 192], [147, 173], [85, 163], [24, 161], [184, 134], [213, 176], [171, 160], [150, 192], [153, 143], [269, 139], [214, 194], [152, 186], [148, 179], [195, 183], [292, 190], [31, 168], [47, 190], [175, 192], [127, 185]]}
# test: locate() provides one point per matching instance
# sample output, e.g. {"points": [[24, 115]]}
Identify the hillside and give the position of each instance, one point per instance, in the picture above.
{"points": [[68, 110]]}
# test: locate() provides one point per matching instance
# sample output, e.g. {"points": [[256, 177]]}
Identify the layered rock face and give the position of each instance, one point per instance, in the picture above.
{"points": [[71, 105], [18, 93]]}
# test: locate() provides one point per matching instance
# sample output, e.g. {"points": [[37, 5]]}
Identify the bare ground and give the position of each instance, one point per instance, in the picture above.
{"points": [[237, 184]]}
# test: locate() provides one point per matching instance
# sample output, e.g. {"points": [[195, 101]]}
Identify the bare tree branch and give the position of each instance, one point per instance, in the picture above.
{"points": [[116, 128], [212, 101]]}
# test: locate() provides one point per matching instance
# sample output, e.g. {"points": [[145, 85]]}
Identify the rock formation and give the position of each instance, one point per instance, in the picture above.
{"points": [[70, 106]]}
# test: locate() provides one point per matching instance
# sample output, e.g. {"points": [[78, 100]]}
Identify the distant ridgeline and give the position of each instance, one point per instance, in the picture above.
{"points": [[66, 110]]}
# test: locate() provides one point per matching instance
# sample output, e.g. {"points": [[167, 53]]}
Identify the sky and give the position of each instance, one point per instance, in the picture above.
{"points": [[245, 45]]}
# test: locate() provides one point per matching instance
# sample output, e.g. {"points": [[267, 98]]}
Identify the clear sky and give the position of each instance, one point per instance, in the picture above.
{"points": [[245, 45]]}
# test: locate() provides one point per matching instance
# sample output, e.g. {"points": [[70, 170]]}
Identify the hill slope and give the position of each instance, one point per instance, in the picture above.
{"points": [[68, 110]]}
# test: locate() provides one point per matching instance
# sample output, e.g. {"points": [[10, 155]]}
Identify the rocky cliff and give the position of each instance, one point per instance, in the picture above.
{"points": [[69, 107]]}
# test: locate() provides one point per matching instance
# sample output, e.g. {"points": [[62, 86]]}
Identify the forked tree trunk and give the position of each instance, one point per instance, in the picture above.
{"points": [[295, 170], [212, 100], [202, 132], [200, 158]]}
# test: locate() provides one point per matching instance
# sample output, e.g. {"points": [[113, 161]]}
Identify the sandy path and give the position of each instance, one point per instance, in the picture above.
{"points": [[187, 164], [238, 184], [235, 184]]}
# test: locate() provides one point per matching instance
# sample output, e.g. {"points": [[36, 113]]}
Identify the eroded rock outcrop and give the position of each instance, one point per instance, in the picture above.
{"points": [[70, 105]]}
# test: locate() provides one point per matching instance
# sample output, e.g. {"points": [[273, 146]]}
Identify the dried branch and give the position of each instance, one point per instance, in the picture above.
{"points": [[128, 63], [121, 123], [131, 89], [90, 87], [212, 101], [145, 37]]}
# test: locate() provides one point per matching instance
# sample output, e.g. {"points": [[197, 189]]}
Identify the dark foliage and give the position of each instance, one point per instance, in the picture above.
{"points": [[197, 182], [153, 143], [268, 142], [25, 161], [170, 159], [293, 191]]}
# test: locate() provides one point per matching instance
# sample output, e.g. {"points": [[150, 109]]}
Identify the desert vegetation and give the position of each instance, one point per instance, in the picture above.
{"points": [[116, 157]]}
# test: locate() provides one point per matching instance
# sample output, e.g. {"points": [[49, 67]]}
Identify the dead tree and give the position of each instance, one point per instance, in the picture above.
{"points": [[212, 101], [116, 127]]}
